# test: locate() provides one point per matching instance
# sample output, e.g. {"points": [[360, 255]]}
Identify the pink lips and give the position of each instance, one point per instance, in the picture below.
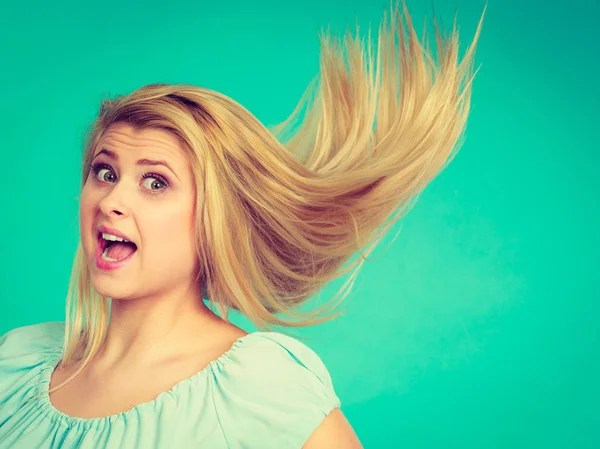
{"points": [[113, 231], [101, 246]]}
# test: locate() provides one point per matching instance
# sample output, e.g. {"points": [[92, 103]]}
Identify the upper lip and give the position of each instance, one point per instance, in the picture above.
{"points": [[104, 229]]}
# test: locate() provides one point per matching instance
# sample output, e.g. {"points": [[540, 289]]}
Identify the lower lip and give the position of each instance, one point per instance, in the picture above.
{"points": [[105, 264]]}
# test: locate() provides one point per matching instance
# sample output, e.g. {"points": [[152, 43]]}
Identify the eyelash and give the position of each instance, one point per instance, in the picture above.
{"points": [[102, 166]]}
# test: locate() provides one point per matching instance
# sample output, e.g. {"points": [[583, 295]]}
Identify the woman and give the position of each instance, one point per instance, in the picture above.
{"points": [[185, 196]]}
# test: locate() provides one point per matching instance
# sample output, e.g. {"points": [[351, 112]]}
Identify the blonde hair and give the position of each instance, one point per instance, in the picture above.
{"points": [[280, 210]]}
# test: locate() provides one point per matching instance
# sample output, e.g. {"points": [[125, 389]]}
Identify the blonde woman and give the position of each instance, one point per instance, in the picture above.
{"points": [[186, 195]]}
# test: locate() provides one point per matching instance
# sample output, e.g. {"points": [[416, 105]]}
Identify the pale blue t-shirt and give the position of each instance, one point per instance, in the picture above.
{"points": [[268, 391]]}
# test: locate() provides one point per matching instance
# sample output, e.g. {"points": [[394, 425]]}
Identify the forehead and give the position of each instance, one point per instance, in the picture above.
{"points": [[125, 139]]}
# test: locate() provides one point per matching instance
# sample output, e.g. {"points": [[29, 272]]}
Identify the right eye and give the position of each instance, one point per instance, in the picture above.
{"points": [[103, 172]]}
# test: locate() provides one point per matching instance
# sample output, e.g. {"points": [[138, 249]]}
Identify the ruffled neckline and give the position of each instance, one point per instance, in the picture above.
{"points": [[54, 356]]}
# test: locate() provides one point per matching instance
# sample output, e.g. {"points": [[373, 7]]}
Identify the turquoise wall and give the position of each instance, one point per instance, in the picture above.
{"points": [[479, 327]]}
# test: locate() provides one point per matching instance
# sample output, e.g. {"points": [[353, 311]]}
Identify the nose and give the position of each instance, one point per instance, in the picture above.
{"points": [[114, 203]]}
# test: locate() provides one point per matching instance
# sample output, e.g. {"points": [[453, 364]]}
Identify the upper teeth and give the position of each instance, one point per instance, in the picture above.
{"points": [[114, 238]]}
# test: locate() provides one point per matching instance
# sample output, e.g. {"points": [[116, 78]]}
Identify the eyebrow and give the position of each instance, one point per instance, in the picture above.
{"points": [[150, 162]]}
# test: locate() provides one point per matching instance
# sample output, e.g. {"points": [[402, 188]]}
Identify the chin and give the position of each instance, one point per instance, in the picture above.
{"points": [[109, 287]]}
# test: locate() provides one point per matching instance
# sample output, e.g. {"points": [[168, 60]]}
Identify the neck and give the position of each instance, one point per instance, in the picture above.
{"points": [[146, 330]]}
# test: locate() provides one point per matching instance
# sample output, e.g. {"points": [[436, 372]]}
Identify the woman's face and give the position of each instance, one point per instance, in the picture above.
{"points": [[141, 186]]}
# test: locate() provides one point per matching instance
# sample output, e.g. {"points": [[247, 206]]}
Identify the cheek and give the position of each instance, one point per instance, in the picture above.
{"points": [[87, 205], [169, 233]]}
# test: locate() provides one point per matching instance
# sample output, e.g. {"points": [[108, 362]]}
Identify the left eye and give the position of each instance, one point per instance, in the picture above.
{"points": [[151, 182]]}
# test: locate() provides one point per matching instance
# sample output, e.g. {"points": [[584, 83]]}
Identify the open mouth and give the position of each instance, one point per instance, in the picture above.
{"points": [[114, 249]]}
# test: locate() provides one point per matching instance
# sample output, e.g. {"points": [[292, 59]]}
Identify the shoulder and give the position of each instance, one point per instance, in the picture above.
{"points": [[25, 352], [31, 338], [271, 390], [281, 354], [283, 365]]}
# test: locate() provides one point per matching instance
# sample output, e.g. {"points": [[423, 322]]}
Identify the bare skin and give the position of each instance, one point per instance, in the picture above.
{"points": [[103, 390], [160, 331]]}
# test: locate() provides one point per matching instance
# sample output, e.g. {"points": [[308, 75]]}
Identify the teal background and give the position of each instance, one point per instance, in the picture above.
{"points": [[479, 327]]}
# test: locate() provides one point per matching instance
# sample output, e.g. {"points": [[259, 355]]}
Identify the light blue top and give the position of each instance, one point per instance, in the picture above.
{"points": [[268, 391]]}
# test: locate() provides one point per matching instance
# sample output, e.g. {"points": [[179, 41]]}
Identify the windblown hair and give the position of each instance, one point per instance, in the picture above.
{"points": [[280, 210]]}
